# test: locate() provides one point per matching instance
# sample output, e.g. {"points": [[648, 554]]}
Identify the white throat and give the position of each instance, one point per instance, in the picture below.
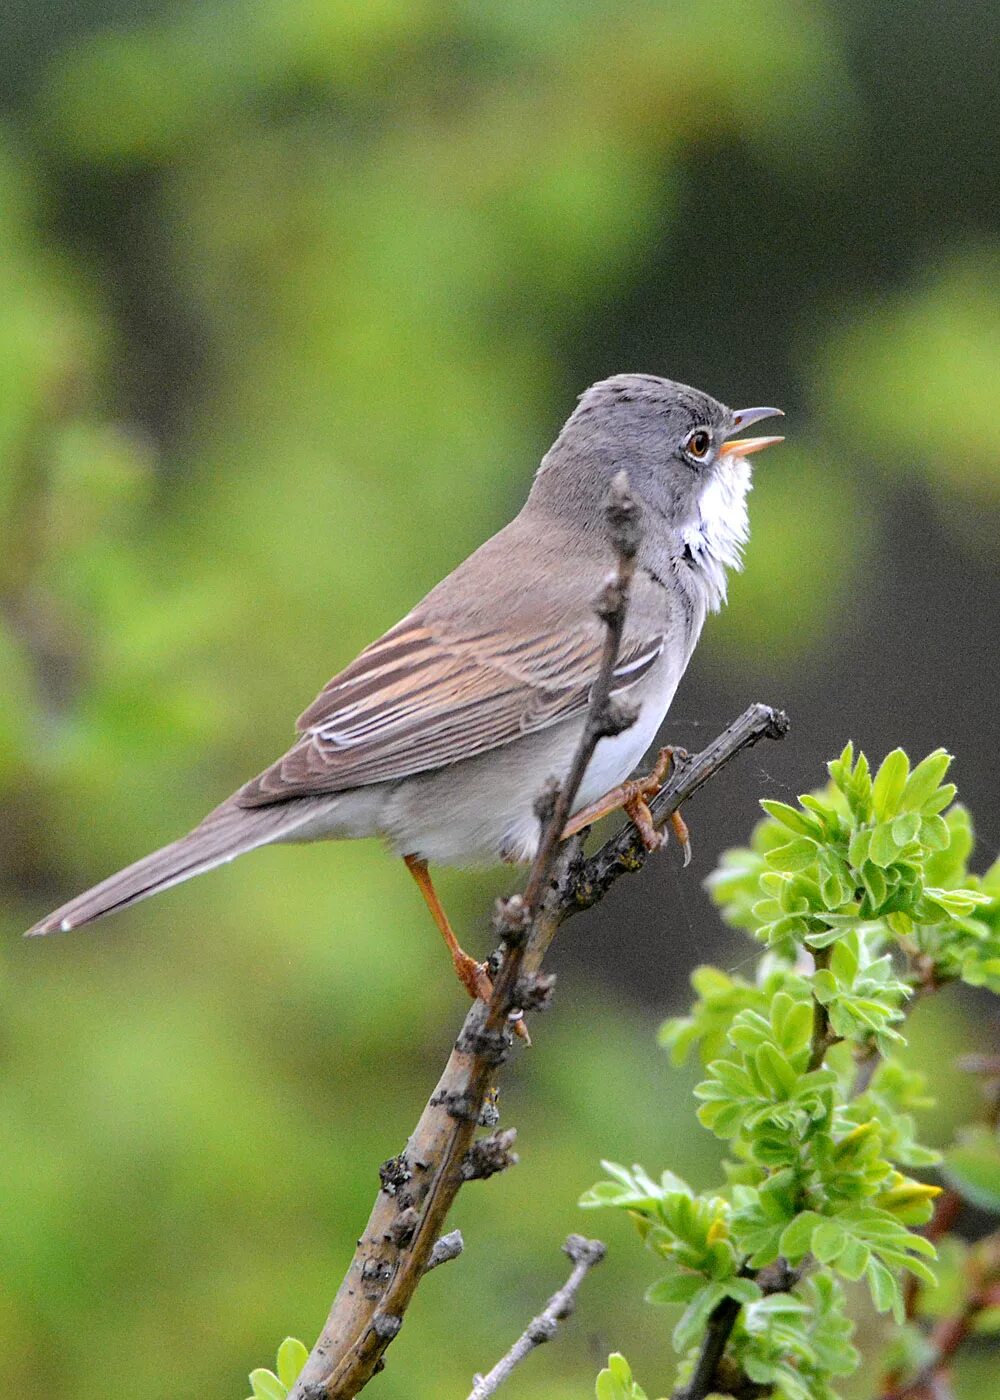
{"points": [[714, 540]]}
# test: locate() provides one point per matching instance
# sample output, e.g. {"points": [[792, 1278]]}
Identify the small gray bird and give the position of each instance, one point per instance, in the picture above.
{"points": [[441, 735]]}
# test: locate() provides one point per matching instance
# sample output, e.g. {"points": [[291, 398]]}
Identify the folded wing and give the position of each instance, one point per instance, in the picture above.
{"points": [[416, 700]]}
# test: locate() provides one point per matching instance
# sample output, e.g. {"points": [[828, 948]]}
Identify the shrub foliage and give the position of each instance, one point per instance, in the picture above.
{"points": [[862, 901]]}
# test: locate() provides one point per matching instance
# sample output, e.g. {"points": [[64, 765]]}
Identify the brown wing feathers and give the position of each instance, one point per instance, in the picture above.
{"points": [[414, 701]]}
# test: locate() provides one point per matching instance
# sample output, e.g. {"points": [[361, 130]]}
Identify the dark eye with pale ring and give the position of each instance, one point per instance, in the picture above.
{"points": [[697, 443]]}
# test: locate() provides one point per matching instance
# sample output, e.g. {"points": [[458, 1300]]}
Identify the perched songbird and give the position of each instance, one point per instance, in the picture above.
{"points": [[441, 736]]}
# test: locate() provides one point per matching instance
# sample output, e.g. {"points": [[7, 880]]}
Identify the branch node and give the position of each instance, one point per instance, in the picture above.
{"points": [[543, 1329], [534, 990], [776, 724], [545, 803], [617, 716], [511, 920], [464, 1108], [490, 1155], [492, 1046], [610, 602], [375, 1274], [403, 1228], [624, 517], [394, 1173], [446, 1248], [386, 1326], [584, 1251]]}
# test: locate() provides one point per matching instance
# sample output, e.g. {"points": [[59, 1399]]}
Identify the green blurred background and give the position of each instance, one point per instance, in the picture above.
{"points": [[293, 296]]}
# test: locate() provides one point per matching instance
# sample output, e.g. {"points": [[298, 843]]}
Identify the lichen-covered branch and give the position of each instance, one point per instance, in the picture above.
{"points": [[417, 1193], [443, 1153], [418, 1187]]}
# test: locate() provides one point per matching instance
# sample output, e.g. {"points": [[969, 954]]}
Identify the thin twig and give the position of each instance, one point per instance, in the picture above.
{"points": [[624, 528], [584, 1254], [823, 1036], [718, 1330], [950, 1332], [625, 853], [982, 1268], [724, 1316]]}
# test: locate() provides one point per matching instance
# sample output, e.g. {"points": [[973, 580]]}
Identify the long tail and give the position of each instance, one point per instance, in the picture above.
{"points": [[226, 833]]}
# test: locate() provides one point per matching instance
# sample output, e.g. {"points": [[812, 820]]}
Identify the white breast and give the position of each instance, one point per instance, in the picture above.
{"points": [[615, 758], [715, 540]]}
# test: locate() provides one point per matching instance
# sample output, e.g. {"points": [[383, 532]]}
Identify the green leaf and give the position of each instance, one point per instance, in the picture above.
{"points": [[883, 850], [793, 856], [957, 902], [889, 784], [934, 833], [939, 800], [828, 1240], [744, 1290], [696, 1315], [675, 1288], [973, 1168], [853, 1260], [860, 844], [266, 1385], [796, 1239], [905, 828], [924, 780], [792, 1022], [885, 1290], [793, 819], [292, 1356], [775, 1069], [875, 883], [615, 1381]]}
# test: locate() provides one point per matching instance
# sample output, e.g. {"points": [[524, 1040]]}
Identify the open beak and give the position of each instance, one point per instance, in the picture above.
{"points": [[743, 447]]}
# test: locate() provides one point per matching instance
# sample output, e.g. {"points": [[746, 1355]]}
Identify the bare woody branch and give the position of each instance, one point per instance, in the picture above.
{"points": [[584, 1254], [419, 1186], [368, 1310]]}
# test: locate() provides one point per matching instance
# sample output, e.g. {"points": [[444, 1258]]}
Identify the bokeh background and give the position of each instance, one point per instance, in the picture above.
{"points": [[293, 296]]}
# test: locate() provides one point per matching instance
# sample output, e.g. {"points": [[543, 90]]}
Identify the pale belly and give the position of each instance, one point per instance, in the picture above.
{"points": [[481, 811], [615, 758]]}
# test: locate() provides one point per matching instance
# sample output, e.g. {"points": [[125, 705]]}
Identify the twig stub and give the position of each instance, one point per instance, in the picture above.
{"points": [[448, 1247], [624, 518]]}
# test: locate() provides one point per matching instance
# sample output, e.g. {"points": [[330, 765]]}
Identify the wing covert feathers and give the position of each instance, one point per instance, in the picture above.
{"points": [[415, 700]]}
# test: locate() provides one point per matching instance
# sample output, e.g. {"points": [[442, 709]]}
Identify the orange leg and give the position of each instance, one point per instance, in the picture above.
{"points": [[471, 974], [633, 798]]}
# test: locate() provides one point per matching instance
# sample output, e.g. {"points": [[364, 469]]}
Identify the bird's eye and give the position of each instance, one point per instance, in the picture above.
{"points": [[697, 443]]}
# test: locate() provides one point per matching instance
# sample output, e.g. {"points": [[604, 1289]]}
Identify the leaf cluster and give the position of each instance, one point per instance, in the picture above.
{"points": [[862, 899], [275, 1385], [885, 854]]}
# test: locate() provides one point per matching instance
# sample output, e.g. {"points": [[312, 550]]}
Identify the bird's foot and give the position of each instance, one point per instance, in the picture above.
{"points": [[473, 975], [633, 797], [475, 978]]}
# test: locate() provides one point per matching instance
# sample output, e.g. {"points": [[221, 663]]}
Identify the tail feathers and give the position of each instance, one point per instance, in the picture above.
{"points": [[226, 833]]}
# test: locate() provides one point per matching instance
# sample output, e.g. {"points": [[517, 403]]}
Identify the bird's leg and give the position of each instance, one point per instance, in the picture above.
{"points": [[471, 974], [633, 798]]}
